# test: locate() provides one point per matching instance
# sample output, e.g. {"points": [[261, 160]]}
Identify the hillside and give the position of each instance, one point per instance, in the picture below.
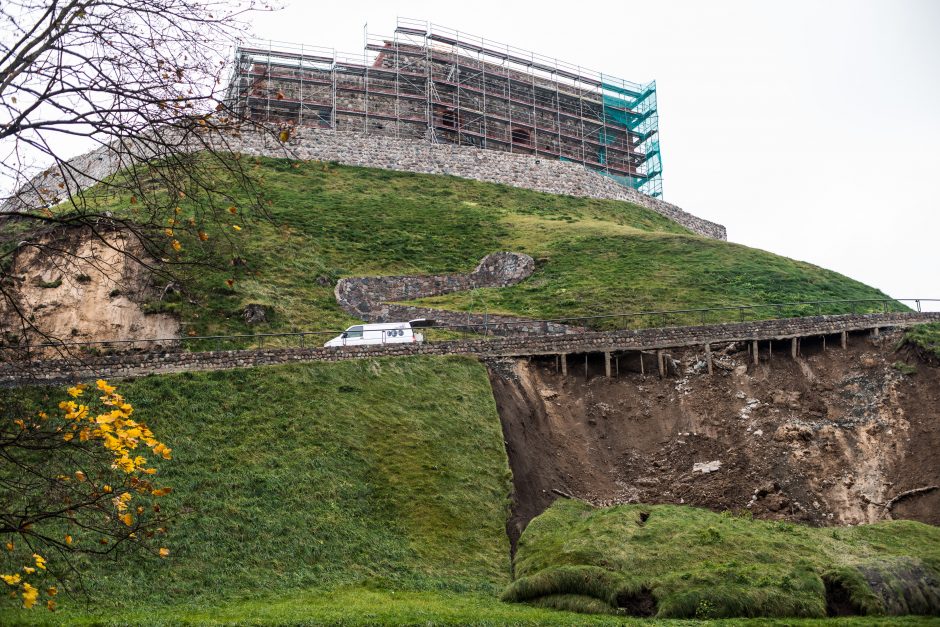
{"points": [[379, 491], [317, 477], [328, 221]]}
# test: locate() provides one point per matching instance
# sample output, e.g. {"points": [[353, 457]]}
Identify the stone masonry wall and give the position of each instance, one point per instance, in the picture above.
{"points": [[140, 364], [371, 298], [524, 171]]}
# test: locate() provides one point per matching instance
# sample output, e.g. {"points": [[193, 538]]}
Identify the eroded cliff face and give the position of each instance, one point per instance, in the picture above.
{"points": [[828, 438], [78, 287]]}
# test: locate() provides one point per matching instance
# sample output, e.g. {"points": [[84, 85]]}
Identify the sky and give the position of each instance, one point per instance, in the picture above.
{"points": [[808, 128]]}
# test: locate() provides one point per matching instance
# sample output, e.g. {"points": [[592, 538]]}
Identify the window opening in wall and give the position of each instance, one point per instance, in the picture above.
{"points": [[449, 118], [520, 136]]}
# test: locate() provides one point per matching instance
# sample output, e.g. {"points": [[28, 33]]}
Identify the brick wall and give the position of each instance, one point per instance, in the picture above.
{"points": [[138, 364]]}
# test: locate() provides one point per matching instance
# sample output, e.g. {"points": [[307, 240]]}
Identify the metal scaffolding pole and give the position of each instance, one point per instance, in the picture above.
{"points": [[535, 113], [365, 73]]}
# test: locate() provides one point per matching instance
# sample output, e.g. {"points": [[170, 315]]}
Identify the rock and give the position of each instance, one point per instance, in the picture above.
{"points": [[548, 394], [767, 488], [706, 467], [793, 432], [790, 400], [255, 313], [323, 281]]}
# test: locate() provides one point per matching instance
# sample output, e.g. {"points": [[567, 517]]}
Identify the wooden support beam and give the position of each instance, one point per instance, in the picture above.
{"points": [[642, 367], [708, 357], [845, 340], [662, 364], [824, 343], [607, 364], [564, 364], [876, 332], [585, 366], [755, 353], [793, 347]]}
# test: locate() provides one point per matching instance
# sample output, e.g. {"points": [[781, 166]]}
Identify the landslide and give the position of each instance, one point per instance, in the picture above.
{"points": [[828, 439]]}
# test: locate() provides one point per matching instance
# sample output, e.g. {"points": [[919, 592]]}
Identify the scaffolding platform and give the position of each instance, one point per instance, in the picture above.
{"points": [[438, 84]]}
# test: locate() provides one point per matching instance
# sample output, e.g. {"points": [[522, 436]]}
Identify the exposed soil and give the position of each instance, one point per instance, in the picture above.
{"points": [[825, 439], [79, 287]]}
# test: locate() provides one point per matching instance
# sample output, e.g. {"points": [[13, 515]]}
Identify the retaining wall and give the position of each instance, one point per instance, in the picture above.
{"points": [[369, 298], [138, 364]]}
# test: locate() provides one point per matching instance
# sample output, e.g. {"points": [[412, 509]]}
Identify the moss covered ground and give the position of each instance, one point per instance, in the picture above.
{"points": [[683, 562]]}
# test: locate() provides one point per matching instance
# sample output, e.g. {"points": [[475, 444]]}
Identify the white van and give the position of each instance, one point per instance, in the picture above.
{"points": [[384, 333]]}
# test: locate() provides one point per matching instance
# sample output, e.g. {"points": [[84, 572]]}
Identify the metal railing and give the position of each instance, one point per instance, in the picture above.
{"points": [[488, 329]]}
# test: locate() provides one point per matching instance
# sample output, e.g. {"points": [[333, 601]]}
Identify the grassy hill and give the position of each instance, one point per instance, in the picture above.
{"points": [[593, 256], [377, 491], [385, 475]]}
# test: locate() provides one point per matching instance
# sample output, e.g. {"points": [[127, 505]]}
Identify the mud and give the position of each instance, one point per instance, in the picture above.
{"points": [[825, 439]]}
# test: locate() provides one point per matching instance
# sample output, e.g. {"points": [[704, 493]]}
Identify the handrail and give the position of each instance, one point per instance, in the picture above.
{"points": [[487, 326]]}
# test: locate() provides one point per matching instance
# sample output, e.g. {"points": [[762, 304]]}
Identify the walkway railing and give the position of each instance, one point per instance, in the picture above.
{"points": [[570, 325]]}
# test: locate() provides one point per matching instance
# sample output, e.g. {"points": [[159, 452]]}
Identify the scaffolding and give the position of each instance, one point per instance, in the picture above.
{"points": [[440, 85]]}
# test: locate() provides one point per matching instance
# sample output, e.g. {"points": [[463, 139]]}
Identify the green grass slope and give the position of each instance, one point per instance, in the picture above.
{"points": [[593, 256], [698, 564], [387, 474]]}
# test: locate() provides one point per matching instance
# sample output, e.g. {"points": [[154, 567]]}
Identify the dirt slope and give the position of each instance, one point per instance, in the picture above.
{"points": [[79, 287], [825, 439]]}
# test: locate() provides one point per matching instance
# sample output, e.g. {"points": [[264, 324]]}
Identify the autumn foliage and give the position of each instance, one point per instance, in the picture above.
{"points": [[76, 480]]}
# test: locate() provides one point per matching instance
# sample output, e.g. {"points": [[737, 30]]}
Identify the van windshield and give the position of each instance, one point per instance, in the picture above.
{"points": [[354, 332]]}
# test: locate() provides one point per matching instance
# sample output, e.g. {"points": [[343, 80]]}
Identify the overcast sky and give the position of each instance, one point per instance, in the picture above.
{"points": [[808, 128]]}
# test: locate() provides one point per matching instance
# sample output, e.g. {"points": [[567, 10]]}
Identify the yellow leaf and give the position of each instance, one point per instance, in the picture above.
{"points": [[284, 135], [30, 594], [127, 519], [232, 210], [68, 539], [164, 552]]}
